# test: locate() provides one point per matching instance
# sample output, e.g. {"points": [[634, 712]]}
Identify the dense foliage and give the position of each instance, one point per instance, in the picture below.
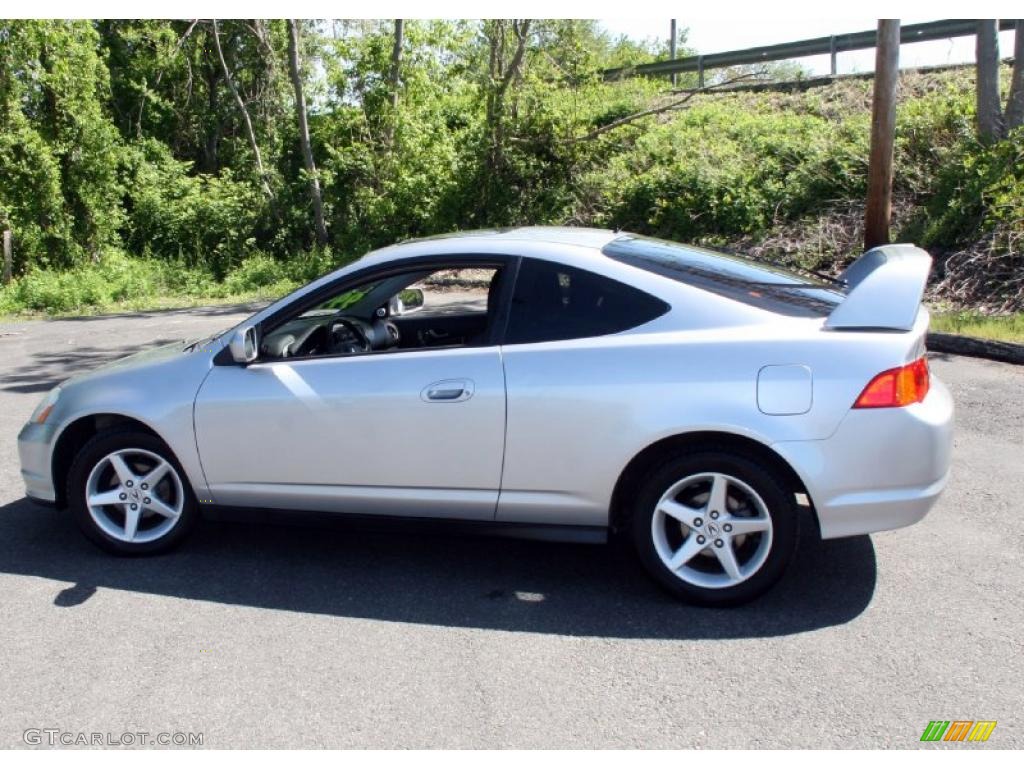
{"points": [[128, 170]]}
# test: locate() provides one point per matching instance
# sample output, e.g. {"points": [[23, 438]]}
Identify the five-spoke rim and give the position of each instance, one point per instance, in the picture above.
{"points": [[134, 495], [712, 530]]}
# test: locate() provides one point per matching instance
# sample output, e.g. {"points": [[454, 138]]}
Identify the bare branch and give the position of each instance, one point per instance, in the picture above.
{"points": [[294, 67], [675, 104], [160, 74], [245, 114], [258, 28], [522, 31]]}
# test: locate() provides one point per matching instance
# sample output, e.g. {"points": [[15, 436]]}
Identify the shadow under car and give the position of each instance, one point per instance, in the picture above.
{"points": [[343, 569]]}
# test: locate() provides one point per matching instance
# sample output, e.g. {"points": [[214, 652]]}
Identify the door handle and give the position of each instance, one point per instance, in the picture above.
{"points": [[448, 391]]}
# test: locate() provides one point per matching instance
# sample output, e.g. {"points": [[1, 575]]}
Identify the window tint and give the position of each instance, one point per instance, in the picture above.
{"points": [[758, 284], [554, 302]]}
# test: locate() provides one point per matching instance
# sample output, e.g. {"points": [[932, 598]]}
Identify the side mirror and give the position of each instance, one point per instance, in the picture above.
{"points": [[243, 344], [404, 302]]}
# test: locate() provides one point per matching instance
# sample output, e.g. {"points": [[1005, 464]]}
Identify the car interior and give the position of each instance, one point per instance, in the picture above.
{"points": [[413, 310]]}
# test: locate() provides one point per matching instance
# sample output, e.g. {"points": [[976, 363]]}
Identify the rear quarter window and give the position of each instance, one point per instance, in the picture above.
{"points": [[554, 302], [750, 282]]}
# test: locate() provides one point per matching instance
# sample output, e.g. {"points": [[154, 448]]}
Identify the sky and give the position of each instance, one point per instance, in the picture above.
{"points": [[716, 35]]}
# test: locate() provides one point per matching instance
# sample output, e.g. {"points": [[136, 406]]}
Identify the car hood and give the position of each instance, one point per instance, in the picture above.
{"points": [[152, 358]]}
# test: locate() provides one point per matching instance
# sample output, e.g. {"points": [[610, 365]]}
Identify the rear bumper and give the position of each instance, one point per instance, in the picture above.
{"points": [[882, 469]]}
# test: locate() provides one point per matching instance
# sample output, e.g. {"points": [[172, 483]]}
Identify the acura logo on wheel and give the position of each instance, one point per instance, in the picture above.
{"points": [[714, 530]]}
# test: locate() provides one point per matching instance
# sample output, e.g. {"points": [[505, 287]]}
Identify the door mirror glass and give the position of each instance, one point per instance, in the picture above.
{"points": [[243, 344], [406, 301]]}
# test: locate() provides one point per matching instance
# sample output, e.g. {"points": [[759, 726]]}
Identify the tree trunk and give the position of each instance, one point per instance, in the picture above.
{"points": [[673, 37], [502, 77], [209, 162], [883, 130], [307, 149], [990, 113], [1015, 101], [245, 115], [394, 79], [8, 257], [396, 61]]}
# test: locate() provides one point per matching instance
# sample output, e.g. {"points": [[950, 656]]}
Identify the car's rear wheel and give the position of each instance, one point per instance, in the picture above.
{"points": [[129, 495], [714, 527]]}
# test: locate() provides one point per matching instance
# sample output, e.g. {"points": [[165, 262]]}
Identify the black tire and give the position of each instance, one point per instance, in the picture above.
{"points": [[777, 498], [93, 453]]}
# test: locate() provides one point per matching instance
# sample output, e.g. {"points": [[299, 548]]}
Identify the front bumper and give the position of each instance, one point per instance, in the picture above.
{"points": [[35, 448], [883, 468]]}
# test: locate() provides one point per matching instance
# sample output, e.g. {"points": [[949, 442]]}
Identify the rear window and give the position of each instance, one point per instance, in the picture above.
{"points": [[755, 283]]}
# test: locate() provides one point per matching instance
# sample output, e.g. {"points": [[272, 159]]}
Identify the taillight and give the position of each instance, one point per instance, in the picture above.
{"points": [[896, 387]]}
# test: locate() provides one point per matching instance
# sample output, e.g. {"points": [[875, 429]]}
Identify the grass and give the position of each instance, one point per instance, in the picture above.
{"points": [[117, 283], [971, 323], [144, 304]]}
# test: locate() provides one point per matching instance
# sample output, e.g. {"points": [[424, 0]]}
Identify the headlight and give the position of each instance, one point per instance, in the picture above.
{"points": [[42, 411]]}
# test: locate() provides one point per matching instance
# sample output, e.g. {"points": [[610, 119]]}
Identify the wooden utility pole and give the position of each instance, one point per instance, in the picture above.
{"points": [[990, 111], [8, 257], [672, 49], [883, 133], [1015, 101]]}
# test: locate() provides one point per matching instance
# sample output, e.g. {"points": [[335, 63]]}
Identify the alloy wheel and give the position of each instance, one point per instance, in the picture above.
{"points": [[712, 530], [134, 495]]}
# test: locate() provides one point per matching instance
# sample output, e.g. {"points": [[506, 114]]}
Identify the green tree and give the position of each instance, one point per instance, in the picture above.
{"points": [[58, 148]]}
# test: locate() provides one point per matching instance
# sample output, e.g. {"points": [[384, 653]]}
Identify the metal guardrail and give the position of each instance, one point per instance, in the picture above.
{"points": [[835, 44]]}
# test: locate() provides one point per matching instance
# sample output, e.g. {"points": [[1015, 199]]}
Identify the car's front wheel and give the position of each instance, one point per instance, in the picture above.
{"points": [[129, 495], [714, 527]]}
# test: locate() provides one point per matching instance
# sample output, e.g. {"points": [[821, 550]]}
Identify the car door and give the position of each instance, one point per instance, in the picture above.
{"points": [[413, 433], [573, 406]]}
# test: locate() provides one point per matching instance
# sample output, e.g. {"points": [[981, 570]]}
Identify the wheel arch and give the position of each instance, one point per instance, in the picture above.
{"points": [[642, 462], [75, 435]]}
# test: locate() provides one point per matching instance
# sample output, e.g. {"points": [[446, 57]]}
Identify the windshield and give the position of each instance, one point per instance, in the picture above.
{"points": [[347, 300], [765, 286]]}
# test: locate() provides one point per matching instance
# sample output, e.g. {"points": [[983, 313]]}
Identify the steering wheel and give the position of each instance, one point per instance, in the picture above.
{"points": [[349, 340]]}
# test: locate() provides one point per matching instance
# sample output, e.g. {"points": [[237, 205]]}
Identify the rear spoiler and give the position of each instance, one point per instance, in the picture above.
{"points": [[885, 286]]}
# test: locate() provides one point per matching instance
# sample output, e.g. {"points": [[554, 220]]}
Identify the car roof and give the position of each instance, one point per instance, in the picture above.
{"points": [[584, 237], [573, 246]]}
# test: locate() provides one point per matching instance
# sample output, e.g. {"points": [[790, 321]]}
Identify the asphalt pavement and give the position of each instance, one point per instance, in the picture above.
{"points": [[269, 635]]}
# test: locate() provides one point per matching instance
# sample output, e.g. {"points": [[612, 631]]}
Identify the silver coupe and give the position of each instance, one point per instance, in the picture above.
{"points": [[550, 382]]}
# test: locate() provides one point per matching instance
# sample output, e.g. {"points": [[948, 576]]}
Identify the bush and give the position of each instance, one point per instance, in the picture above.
{"points": [[200, 220], [731, 166], [115, 280], [775, 172], [309, 265], [118, 281], [258, 273]]}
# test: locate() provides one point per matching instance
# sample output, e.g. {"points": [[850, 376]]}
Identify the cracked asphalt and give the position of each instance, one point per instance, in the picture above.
{"points": [[273, 636]]}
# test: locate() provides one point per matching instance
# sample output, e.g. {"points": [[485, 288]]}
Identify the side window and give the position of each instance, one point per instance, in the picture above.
{"points": [[426, 307], [464, 291], [553, 302]]}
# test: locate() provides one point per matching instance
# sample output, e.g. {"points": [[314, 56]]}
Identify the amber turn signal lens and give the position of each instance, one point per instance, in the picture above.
{"points": [[897, 387]]}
